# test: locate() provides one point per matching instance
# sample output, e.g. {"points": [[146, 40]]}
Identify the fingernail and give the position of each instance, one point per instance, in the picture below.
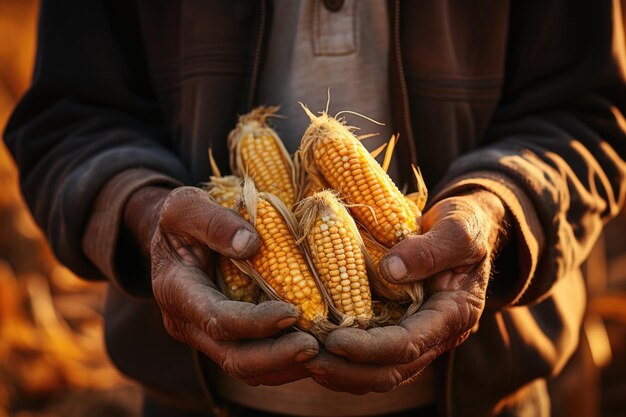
{"points": [[286, 322], [241, 240], [305, 355], [317, 371], [395, 268]]}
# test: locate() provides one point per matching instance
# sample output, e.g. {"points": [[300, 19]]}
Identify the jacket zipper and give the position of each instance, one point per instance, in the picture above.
{"points": [[256, 66], [406, 113]]}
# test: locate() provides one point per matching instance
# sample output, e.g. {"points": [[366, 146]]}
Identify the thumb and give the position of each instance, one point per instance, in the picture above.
{"points": [[453, 242], [189, 212]]}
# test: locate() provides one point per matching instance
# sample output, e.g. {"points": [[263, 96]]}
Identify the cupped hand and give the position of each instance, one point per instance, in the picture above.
{"points": [[453, 258], [239, 337]]}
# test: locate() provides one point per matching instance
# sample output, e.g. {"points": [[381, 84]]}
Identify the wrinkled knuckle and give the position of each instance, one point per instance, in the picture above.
{"points": [[424, 253], [469, 312], [232, 367], [212, 328], [392, 379], [218, 223], [412, 352], [476, 306]]}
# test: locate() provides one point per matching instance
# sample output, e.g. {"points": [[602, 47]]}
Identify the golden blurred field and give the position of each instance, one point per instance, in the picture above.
{"points": [[52, 358]]}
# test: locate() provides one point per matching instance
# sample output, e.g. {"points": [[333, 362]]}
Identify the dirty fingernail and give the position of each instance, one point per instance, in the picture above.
{"points": [[395, 268], [241, 240], [305, 355]]}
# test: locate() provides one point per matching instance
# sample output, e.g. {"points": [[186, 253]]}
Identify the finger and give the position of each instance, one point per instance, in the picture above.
{"points": [[458, 240], [338, 374], [284, 376], [189, 211], [443, 322], [381, 345], [186, 293], [248, 360]]}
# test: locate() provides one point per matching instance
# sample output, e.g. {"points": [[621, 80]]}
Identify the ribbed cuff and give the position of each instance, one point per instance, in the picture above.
{"points": [[101, 240], [513, 271]]}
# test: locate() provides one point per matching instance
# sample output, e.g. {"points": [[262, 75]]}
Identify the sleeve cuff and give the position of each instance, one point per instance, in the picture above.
{"points": [[101, 241], [514, 271]]}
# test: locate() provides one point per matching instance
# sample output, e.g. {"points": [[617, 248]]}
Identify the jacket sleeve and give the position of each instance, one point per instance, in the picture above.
{"points": [[89, 116], [555, 150]]}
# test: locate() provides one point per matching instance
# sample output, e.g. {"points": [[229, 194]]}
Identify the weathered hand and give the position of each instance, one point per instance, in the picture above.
{"points": [[453, 257], [237, 336]]}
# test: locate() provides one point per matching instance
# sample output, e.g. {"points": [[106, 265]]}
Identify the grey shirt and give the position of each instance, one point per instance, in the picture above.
{"points": [[311, 48]]}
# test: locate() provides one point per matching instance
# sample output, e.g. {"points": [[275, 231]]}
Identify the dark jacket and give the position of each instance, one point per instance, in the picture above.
{"points": [[523, 98]]}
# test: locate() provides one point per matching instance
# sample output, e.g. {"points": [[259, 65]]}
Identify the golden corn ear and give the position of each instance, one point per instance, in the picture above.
{"points": [[380, 286], [257, 151], [279, 262], [350, 169], [335, 246], [237, 285]]}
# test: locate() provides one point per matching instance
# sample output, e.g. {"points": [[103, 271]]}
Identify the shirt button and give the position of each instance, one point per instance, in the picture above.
{"points": [[333, 5]]}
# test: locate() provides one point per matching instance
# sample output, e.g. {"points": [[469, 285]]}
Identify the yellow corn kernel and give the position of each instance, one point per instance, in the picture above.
{"points": [[336, 248], [257, 151], [225, 190], [237, 285], [349, 168], [279, 262]]}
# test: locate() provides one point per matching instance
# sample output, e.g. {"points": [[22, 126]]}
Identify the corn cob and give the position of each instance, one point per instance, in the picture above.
{"points": [[257, 151], [224, 190], [311, 181], [237, 285], [381, 286], [234, 283], [336, 248], [279, 267], [348, 167]]}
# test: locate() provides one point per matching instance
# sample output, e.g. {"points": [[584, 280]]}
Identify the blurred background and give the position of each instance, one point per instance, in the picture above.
{"points": [[52, 357]]}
